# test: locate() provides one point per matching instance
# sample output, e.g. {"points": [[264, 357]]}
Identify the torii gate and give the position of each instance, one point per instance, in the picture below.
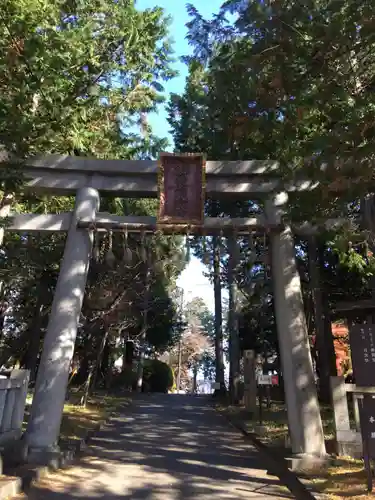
{"points": [[240, 180]]}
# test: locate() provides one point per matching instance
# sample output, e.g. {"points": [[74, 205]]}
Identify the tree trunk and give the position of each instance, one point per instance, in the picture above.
{"points": [[219, 354], [178, 376], [83, 370], [124, 340], [35, 333], [107, 363], [329, 340], [195, 376], [123, 364], [144, 329], [324, 344], [98, 360], [141, 360], [35, 330], [368, 223], [5, 206], [86, 390], [234, 344], [3, 310]]}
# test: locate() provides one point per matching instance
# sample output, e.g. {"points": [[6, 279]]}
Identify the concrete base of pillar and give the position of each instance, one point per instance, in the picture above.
{"points": [[44, 456], [350, 449], [261, 430], [302, 462], [14, 453], [10, 437], [51, 460], [349, 443], [9, 487]]}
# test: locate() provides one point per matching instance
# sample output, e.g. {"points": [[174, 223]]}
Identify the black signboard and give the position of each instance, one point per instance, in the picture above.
{"points": [[367, 416], [362, 346]]}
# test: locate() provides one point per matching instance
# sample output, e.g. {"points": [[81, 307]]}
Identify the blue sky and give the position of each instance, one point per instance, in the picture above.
{"points": [[177, 10], [192, 279]]}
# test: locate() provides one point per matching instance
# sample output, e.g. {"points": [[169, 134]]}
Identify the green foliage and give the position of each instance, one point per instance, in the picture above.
{"points": [[355, 257], [161, 317], [75, 75], [79, 78], [157, 376], [289, 81]]}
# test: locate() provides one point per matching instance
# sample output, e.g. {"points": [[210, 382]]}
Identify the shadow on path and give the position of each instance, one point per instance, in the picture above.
{"points": [[166, 447]]}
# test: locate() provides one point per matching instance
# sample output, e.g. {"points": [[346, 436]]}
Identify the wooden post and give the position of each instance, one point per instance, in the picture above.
{"points": [[250, 392]]}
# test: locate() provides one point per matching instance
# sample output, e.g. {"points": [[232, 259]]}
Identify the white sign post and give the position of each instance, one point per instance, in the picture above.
{"points": [[267, 379], [264, 379]]}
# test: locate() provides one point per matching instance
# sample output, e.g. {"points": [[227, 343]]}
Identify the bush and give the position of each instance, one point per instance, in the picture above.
{"points": [[124, 380], [157, 376]]}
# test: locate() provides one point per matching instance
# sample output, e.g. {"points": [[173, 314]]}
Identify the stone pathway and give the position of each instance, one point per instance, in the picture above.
{"points": [[167, 447]]}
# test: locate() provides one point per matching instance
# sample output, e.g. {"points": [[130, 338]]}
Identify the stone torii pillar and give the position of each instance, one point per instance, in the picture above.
{"points": [[305, 425], [44, 425]]}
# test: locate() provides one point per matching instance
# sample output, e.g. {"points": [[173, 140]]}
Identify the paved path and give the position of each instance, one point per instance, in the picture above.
{"points": [[167, 447]]}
